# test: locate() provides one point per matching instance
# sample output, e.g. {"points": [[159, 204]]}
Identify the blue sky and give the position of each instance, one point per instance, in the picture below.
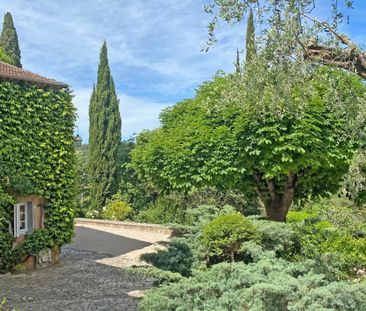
{"points": [[154, 49]]}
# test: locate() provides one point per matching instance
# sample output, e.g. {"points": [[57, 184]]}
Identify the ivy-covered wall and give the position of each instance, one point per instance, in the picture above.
{"points": [[37, 145]]}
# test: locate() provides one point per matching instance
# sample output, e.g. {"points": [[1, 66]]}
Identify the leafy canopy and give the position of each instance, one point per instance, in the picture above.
{"points": [[269, 123]]}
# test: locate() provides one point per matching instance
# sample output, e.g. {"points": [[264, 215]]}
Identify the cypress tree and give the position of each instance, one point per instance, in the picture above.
{"points": [[9, 40], [250, 39], [237, 63], [104, 135]]}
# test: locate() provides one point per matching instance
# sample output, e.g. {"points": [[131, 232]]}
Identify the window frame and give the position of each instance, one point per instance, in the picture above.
{"points": [[18, 231]]}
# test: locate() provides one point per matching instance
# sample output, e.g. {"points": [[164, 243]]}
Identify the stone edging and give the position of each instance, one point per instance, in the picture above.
{"points": [[153, 228]]}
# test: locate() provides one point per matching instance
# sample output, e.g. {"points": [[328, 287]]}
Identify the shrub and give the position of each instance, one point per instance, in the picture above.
{"points": [[320, 237], [224, 236], [278, 237], [351, 251], [177, 258], [269, 285], [7, 258], [176, 207], [341, 212], [116, 209], [296, 216], [34, 242], [159, 276], [167, 209]]}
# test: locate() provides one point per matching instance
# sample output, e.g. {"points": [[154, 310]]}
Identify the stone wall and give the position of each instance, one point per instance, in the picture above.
{"points": [[127, 225]]}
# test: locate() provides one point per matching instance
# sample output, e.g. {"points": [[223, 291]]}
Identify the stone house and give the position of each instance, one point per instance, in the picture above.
{"points": [[28, 211]]}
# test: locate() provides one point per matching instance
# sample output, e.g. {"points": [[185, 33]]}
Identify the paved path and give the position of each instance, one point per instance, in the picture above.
{"points": [[79, 282]]}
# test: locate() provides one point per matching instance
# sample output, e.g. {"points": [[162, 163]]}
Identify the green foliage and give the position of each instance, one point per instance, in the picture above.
{"points": [[3, 57], [116, 208], [175, 207], [166, 209], [341, 212], [354, 184], [177, 258], [250, 38], [137, 193], [319, 237], [279, 238], [104, 136], [39, 240], [83, 183], [9, 42], [6, 250], [224, 236], [269, 285], [37, 144], [159, 276], [295, 216], [258, 136]]}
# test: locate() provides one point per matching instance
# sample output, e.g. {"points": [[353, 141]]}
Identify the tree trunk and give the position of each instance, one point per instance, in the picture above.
{"points": [[277, 202], [278, 206]]}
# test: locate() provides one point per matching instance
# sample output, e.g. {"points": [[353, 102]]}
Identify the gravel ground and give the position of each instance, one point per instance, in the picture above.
{"points": [[88, 278]]}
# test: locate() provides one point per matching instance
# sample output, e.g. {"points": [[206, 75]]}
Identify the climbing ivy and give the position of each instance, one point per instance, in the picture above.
{"points": [[36, 143]]}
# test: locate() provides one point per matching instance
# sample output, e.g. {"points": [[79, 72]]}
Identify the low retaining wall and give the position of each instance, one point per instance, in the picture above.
{"points": [[127, 225]]}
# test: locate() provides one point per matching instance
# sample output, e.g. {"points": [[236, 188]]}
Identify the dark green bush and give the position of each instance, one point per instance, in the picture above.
{"points": [[174, 207], [269, 285], [35, 242], [223, 237], [159, 276], [278, 237], [177, 258], [7, 258], [167, 209]]}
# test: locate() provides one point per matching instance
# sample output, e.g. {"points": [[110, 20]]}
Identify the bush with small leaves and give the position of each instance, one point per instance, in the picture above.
{"points": [[7, 258], [269, 285], [223, 237], [177, 258], [116, 209], [279, 238]]}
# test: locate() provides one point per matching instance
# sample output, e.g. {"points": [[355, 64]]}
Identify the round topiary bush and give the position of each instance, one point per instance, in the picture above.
{"points": [[223, 237]]}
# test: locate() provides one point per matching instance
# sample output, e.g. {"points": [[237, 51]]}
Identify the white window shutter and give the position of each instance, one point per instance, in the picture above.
{"points": [[16, 233]]}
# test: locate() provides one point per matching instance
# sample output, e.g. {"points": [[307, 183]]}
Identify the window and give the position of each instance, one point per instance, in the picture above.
{"points": [[23, 218]]}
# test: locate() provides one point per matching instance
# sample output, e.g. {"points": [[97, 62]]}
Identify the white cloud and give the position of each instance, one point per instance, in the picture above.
{"points": [[137, 113], [154, 50]]}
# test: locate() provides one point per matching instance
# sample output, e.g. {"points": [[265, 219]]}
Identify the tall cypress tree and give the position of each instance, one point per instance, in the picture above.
{"points": [[237, 62], [250, 39], [9, 40], [104, 135]]}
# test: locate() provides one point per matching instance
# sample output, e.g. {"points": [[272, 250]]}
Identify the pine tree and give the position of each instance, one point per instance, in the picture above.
{"points": [[250, 39], [104, 135], [9, 40]]}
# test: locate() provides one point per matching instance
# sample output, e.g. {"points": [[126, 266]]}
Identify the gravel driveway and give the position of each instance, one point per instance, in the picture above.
{"points": [[79, 282]]}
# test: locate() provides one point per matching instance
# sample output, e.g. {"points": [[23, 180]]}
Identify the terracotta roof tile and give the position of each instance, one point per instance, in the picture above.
{"points": [[9, 72]]}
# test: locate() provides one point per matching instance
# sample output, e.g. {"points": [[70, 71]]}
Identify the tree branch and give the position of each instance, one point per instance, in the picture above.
{"points": [[350, 58], [271, 188]]}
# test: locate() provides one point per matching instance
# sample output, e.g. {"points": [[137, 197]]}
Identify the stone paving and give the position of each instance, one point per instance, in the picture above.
{"points": [[78, 283]]}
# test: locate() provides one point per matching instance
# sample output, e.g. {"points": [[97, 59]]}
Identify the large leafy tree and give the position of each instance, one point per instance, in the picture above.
{"points": [[275, 131], [9, 41], [104, 135]]}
